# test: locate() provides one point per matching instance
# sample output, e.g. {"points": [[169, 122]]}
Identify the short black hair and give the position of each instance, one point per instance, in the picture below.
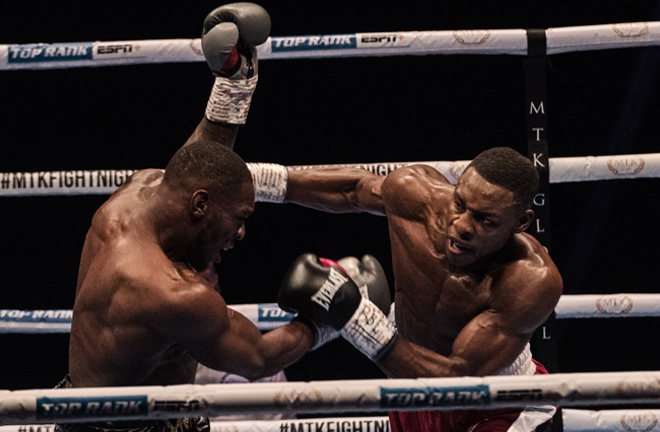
{"points": [[505, 167], [207, 165]]}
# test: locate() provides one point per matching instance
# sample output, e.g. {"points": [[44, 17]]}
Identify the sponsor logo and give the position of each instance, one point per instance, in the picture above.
{"points": [[638, 387], [117, 49], [312, 43], [180, 406], [539, 200], [273, 313], [626, 166], [614, 305], [64, 179], [640, 421], [378, 38], [380, 169], [519, 395], [434, 396], [348, 425], [288, 398], [631, 30], [49, 52], [471, 37], [59, 315], [377, 169], [327, 291], [42, 428], [382, 40], [96, 407]]}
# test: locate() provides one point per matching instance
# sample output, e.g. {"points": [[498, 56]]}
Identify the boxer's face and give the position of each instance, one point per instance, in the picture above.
{"points": [[483, 217], [224, 223]]}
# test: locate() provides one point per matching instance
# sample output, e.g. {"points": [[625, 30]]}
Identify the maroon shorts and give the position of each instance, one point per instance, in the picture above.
{"points": [[457, 421]]}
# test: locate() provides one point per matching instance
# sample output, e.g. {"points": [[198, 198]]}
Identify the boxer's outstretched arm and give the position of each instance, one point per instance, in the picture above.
{"points": [[404, 192], [336, 190], [223, 339], [249, 353]]}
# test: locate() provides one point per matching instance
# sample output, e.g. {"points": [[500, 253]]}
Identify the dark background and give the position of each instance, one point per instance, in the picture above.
{"points": [[330, 111]]}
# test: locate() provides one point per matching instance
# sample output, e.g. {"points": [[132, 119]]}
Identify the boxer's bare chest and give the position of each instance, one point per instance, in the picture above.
{"points": [[434, 301]]}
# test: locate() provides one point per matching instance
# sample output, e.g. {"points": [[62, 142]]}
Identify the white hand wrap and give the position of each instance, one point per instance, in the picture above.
{"points": [[230, 100], [270, 181], [324, 334], [369, 330]]}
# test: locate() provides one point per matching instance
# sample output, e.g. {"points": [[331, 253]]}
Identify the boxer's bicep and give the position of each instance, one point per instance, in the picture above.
{"points": [[230, 342]]}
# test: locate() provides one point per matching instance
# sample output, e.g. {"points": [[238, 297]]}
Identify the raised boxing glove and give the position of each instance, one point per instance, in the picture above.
{"points": [[323, 292], [229, 39], [230, 36]]}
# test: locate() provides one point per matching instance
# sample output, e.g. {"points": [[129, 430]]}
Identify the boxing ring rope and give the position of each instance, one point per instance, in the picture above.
{"points": [[267, 316], [374, 395], [574, 421], [512, 42], [562, 170]]}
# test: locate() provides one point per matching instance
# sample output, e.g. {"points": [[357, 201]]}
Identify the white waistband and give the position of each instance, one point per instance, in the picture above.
{"points": [[523, 365]]}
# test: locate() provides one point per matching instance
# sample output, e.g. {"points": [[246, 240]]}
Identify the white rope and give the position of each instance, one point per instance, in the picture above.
{"points": [[613, 420], [573, 421], [267, 316], [608, 306], [513, 42], [112, 403], [562, 170]]}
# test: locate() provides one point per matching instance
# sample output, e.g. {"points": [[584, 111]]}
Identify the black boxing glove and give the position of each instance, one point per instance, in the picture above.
{"points": [[321, 291], [370, 278]]}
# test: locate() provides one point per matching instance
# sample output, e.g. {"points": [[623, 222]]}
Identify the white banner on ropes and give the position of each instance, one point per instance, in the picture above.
{"points": [[478, 41], [104, 182], [445, 394], [573, 421]]}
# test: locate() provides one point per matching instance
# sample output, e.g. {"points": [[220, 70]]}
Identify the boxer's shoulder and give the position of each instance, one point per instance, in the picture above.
{"points": [[414, 190]]}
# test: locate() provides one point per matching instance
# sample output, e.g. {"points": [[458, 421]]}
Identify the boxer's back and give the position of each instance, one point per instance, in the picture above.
{"points": [[123, 278]]}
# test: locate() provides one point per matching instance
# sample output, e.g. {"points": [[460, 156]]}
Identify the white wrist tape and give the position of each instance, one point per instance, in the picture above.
{"points": [[230, 100], [324, 334], [270, 181], [369, 330]]}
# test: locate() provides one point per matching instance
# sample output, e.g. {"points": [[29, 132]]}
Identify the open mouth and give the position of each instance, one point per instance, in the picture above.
{"points": [[456, 247]]}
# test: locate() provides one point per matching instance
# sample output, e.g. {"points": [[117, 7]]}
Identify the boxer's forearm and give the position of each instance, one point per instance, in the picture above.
{"points": [[221, 133], [336, 190], [282, 347]]}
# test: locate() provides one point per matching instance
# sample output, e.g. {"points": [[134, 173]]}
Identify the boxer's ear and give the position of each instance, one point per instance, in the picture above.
{"points": [[199, 202]]}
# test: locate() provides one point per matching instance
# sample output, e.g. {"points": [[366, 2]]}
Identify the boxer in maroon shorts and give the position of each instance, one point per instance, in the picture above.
{"points": [[471, 286]]}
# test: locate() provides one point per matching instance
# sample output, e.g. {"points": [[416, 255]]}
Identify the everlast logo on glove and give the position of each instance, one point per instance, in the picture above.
{"points": [[329, 288]]}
